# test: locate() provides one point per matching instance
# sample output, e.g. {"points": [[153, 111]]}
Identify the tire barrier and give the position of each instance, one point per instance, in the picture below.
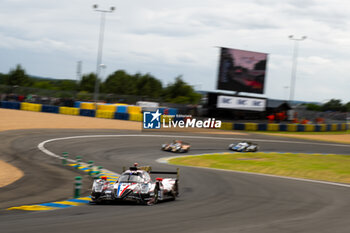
{"points": [[122, 109], [227, 126], [135, 116], [69, 111], [134, 109], [285, 127], [89, 106], [77, 104], [121, 116], [87, 112], [10, 105], [31, 107], [107, 107], [50, 109], [105, 114], [133, 113]]}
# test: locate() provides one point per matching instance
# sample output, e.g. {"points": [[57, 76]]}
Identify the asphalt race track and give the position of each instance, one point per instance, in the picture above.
{"points": [[210, 201]]}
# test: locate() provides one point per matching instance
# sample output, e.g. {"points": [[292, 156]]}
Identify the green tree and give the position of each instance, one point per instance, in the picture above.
{"points": [[333, 105], [120, 82], [17, 77], [147, 85], [347, 106], [67, 85], [87, 83], [43, 84], [313, 107], [3, 79], [181, 92]]}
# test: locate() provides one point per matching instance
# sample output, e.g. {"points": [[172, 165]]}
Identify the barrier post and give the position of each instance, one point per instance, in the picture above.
{"points": [[65, 156], [96, 175], [91, 164], [77, 186], [78, 159]]}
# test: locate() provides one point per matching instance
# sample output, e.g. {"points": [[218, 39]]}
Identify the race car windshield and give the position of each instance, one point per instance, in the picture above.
{"points": [[130, 178]]}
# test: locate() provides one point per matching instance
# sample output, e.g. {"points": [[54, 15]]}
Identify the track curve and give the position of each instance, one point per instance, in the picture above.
{"points": [[210, 201]]}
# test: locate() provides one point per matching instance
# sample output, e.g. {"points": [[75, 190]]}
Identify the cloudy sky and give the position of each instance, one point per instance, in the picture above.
{"points": [[170, 38]]}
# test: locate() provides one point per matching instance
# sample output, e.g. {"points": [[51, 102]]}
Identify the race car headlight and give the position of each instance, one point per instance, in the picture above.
{"points": [[145, 188]]}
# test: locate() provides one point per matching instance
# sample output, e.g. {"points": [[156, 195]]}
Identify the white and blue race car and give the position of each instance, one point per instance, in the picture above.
{"points": [[243, 147], [137, 186]]}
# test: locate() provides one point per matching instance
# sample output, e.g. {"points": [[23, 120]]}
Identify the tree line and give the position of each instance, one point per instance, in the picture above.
{"points": [[335, 105], [120, 83]]}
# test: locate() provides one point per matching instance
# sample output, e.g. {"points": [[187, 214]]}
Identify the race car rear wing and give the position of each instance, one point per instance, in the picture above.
{"points": [[149, 170], [177, 173], [145, 168]]}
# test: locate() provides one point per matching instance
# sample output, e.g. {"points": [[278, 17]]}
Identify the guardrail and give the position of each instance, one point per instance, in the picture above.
{"points": [[133, 113]]}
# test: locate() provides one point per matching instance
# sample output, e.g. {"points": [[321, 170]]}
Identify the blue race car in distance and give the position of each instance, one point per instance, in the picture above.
{"points": [[243, 147]]}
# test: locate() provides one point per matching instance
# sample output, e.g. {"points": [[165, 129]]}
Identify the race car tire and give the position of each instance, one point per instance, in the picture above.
{"points": [[175, 192], [183, 150], [96, 202], [95, 195], [154, 200]]}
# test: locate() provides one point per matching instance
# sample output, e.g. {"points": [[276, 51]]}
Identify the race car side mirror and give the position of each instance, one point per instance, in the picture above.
{"points": [[159, 179]]}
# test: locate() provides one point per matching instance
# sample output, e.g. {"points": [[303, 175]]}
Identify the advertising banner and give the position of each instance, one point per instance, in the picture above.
{"points": [[241, 103]]}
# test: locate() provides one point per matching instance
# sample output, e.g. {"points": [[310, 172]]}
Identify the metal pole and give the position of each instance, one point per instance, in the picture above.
{"points": [[294, 66], [100, 48], [99, 55], [79, 64], [294, 70]]}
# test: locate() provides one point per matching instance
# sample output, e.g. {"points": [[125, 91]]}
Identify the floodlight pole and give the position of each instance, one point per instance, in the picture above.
{"points": [[99, 64], [294, 66]]}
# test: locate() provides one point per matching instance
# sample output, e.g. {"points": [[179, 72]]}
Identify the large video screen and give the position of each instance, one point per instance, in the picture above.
{"points": [[242, 71]]}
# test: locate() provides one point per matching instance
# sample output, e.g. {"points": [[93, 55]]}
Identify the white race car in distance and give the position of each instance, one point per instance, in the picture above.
{"points": [[243, 147]]}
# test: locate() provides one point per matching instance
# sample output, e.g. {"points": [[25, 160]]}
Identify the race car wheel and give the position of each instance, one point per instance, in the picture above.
{"points": [[177, 188], [95, 195], [154, 200], [175, 192]]}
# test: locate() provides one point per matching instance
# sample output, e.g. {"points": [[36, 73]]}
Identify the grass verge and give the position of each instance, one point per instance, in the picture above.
{"points": [[334, 168]]}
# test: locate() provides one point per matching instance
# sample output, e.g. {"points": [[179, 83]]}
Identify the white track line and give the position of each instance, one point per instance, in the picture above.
{"points": [[198, 137], [41, 147]]}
